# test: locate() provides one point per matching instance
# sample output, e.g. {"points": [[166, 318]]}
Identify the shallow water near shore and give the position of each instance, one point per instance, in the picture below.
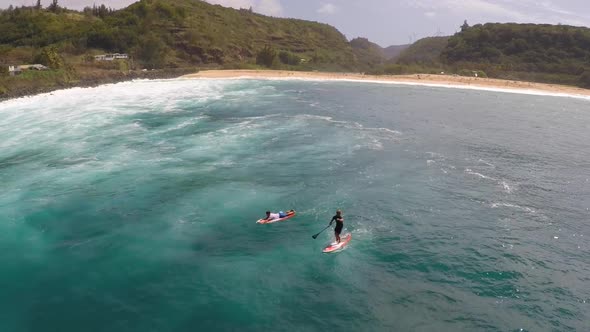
{"points": [[132, 207]]}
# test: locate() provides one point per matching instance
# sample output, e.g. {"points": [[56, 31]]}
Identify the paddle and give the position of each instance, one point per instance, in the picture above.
{"points": [[315, 236]]}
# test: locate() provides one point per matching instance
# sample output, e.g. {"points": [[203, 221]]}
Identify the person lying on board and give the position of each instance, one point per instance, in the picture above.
{"points": [[273, 216]]}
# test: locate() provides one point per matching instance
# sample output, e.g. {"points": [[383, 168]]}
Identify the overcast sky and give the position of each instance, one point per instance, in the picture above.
{"points": [[390, 22]]}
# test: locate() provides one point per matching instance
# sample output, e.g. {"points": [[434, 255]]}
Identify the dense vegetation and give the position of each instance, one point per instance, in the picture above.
{"points": [[529, 52], [392, 52], [425, 51], [368, 54], [547, 53], [164, 34], [189, 34], [421, 57]]}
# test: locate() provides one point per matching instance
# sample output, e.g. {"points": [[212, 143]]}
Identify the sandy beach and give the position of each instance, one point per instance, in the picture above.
{"points": [[424, 79]]}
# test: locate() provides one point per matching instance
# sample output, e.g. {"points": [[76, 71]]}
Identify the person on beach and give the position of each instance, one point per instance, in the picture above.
{"points": [[273, 216], [339, 224]]}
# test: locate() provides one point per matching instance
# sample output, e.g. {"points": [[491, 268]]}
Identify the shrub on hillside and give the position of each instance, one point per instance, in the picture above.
{"points": [[49, 57], [473, 73], [266, 57], [289, 58]]}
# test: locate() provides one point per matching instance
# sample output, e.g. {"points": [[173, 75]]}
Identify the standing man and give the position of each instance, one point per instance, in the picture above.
{"points": [[339, 224]]}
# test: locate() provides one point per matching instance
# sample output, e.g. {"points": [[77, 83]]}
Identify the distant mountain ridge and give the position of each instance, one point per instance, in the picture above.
{"points": [[424, 51], [393, 51]]}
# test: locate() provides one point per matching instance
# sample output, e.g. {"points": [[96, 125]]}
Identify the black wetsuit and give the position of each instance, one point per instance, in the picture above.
{"points": [[339, 223]]}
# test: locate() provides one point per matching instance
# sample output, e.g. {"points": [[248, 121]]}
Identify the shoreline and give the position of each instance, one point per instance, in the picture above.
{"points": [[449, 81], [430, 80], [90, 81]]}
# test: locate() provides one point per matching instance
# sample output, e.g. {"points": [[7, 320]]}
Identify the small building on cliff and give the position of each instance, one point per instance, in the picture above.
{"points": [[110, 57]]}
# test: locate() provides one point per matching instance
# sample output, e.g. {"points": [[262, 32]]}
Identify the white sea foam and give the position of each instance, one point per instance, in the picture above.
{"points": [[432, 85], [506, 187], [140, 93], [375, 144], [486, 163], [435, 155], [256, 118], [187, 123], [349, 124], [513, 206], [471, 172]]}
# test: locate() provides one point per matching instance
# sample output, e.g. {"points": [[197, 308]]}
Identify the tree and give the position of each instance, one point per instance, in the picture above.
{"points": [[87, 11], [49, 57], [289, 58], [38, 5], [152, 51], [465, 26], [266, 57], [89, 58], [54, 6], [102, 11]]}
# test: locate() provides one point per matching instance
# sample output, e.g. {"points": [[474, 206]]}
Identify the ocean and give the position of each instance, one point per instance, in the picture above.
{"points": [[133, 207]]}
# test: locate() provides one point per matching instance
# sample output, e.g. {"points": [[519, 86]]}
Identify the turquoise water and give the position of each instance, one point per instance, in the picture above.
{"points": [[132, 207]]}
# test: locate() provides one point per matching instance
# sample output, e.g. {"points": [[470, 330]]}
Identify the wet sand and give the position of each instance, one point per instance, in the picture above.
{"points": [[422, 79]]}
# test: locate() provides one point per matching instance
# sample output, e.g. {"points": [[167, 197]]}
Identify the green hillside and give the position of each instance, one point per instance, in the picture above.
{"points": [[392, 52], [421, 57], [545, 53], [529, 52], [368, 54], [425, 51], [170, 36], [167, 33]]}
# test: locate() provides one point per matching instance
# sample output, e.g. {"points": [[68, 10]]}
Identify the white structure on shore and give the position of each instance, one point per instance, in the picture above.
{"points": [[32, 67], [15, 70], [110, 57]]}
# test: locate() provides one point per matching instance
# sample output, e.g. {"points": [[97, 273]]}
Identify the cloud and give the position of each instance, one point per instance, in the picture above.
{"points": [[327, 8], [467, 7], [547, 11], [266, 7], [533, 11], [430, 14]]}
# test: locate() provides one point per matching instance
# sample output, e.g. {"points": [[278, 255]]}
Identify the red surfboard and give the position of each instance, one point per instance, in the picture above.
{"points": [[264, 221], [332, 247]]}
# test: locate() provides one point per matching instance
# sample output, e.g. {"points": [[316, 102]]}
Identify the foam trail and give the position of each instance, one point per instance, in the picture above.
{"points": [[514, 206], [469, 171]]}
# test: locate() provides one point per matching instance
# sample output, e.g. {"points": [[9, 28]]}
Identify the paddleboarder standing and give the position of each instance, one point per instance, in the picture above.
{"points": [[339, 224]]}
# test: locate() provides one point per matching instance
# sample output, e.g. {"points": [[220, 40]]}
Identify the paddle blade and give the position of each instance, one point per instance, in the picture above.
{"points": [[314, 236]]}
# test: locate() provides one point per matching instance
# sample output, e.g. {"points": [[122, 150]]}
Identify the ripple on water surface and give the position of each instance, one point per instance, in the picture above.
{"points": [[132, 207]]}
